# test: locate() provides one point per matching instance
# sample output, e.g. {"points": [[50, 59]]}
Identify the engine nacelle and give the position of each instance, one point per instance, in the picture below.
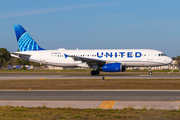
{"points": [[113, 67]]}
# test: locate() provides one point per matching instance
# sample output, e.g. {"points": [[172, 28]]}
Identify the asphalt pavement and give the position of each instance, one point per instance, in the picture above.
{"points": [[25, 77], [93, 95]]}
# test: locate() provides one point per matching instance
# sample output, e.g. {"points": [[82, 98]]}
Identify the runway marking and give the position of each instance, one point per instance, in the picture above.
{"points": [[107, 104], [107, 78]]}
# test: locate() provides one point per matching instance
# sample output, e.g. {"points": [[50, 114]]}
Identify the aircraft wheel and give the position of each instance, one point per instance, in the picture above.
{"points": [[93, 72], [150, 73], [97, 72]]}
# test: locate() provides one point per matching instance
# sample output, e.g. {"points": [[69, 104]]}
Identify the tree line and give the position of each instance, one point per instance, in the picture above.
{"points": [[6, 59]]}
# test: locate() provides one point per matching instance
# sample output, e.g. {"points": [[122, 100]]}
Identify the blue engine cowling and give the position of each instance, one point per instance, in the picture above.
{"points": [[113, 67]]}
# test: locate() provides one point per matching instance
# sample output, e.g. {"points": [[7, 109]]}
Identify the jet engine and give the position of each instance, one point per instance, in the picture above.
{"points": [[113, 67]]}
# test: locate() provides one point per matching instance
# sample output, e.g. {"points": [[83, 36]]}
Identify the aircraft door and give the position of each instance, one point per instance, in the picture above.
{"points": [[42, 57], [150, 55]]}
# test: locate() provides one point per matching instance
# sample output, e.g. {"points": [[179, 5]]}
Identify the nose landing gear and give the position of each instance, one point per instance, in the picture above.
{"points": [[150, 72]]}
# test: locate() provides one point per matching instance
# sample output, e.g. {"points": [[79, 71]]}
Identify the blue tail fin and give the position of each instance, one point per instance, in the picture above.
{"points": [[25, 42]]}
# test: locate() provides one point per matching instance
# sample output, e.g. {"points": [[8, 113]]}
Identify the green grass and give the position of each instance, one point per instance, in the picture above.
{"points": [[44, 70], [79, 70], [83, 72], [82, 84], [44, 113]]}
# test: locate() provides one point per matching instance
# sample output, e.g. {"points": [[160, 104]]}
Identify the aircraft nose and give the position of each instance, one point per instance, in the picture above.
{"points": [[169, 60]]}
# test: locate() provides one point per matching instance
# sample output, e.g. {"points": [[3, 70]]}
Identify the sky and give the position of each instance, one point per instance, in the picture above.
{"points": [[94, 24]]}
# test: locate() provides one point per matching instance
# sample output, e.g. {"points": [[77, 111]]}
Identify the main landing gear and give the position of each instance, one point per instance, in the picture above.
{"points": [[150, 72], [95, 72]]}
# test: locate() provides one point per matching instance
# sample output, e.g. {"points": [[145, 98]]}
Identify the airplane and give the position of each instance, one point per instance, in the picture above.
{"points": [[107, 60]]}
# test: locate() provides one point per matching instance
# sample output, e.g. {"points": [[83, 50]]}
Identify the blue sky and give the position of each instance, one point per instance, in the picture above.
{"points": [[94, 24]]}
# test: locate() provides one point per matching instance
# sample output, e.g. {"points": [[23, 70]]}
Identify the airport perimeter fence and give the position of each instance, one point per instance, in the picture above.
{"points": [[22, 67]]}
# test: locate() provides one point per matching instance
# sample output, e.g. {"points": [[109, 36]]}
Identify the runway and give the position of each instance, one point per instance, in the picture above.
{"points": [[24, 77], [104, 99], [84, 99], [93, 95]]}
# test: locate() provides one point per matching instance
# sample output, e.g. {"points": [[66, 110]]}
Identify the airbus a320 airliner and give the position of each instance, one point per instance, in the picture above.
{"points": [[107, 60]]}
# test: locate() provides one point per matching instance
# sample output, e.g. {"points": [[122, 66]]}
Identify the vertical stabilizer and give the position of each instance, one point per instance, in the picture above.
{"points": [[25, 41]]}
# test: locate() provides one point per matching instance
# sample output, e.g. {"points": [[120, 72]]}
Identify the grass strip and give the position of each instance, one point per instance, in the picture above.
{"points": [[86, 84], [79, 70], [44, 113], [87, 73]]}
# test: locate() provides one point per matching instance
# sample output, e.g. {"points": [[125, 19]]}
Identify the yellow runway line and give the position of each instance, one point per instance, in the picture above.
{"points": [[107, 104]]}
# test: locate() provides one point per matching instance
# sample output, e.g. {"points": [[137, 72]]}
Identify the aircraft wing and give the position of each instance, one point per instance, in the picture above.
{"points": [[85, 59], [90, 61]]}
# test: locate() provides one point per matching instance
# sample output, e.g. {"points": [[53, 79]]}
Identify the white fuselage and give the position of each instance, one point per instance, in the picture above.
{"points": [[128, 57]]}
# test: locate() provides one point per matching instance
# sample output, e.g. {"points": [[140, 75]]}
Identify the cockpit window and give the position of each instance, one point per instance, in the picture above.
{"points": [[161, 54]]}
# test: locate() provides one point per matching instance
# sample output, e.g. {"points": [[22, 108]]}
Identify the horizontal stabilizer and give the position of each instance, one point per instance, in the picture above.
{"points": [[20, 55]]}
